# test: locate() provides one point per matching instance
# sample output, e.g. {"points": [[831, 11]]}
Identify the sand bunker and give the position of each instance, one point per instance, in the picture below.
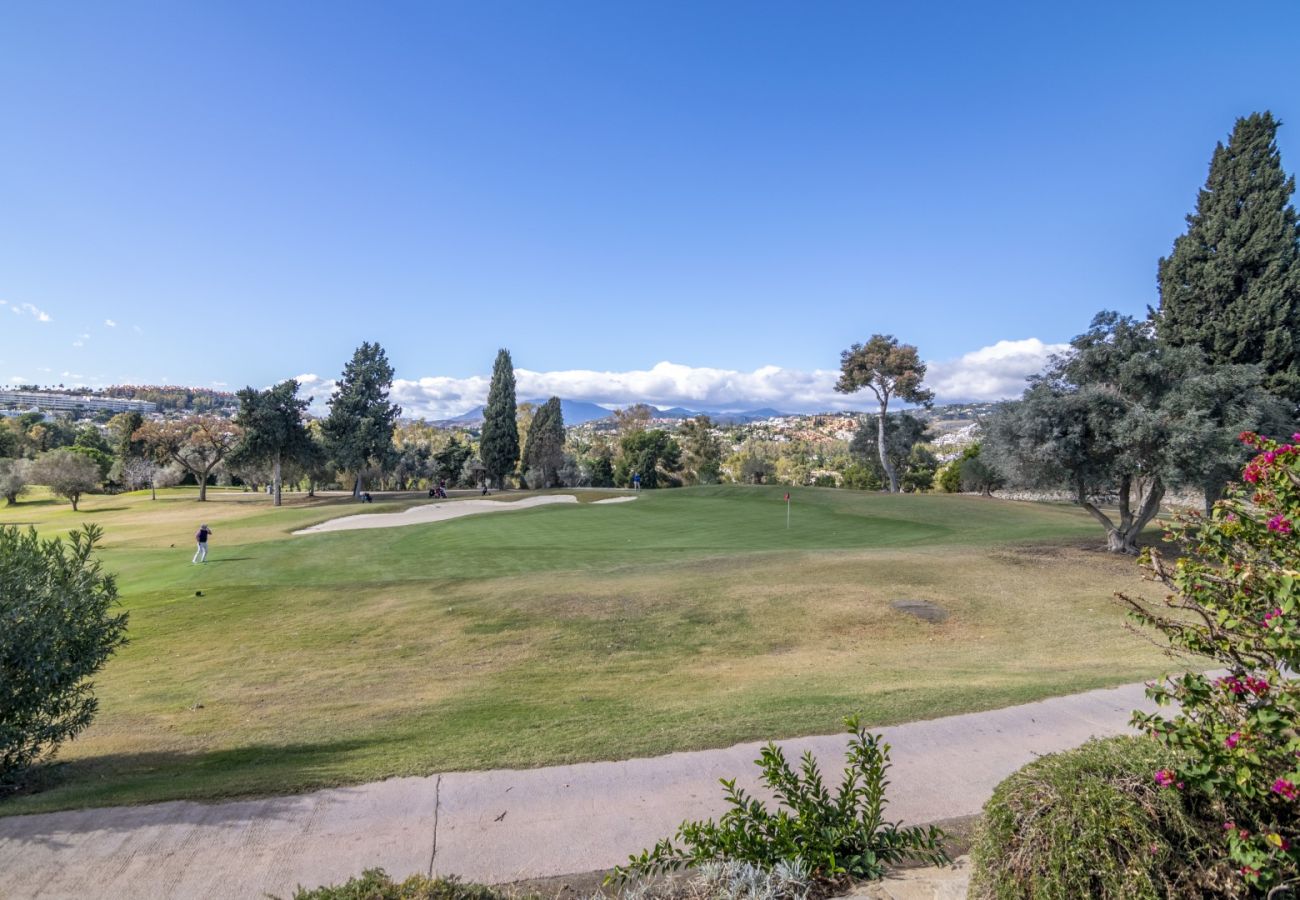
{"points": [[613, 500], [435, 512]]}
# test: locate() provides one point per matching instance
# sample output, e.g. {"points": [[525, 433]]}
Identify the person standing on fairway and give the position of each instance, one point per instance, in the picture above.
{"points": [[201, 554]]}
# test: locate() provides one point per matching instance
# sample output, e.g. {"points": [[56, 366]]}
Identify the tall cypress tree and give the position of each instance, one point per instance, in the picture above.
{"points": [[359, 428], [1232, 283], [544, 451], [499, 446]]}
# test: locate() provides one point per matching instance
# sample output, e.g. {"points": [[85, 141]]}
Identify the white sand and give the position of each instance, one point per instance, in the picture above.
{"points": [[613, 500], [436, 512]]}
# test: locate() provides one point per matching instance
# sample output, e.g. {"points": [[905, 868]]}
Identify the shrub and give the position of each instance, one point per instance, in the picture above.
{"points": [[57, 628], [1091, 822], [374, 884], [829, 837], [858, 477], [1235, 598]]}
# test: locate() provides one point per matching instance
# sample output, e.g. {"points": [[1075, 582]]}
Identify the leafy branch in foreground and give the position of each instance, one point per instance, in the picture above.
{"points": [[832, 837]]}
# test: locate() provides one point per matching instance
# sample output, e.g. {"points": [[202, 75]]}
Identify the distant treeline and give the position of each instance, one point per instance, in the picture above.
{"points": [[173, 396]]}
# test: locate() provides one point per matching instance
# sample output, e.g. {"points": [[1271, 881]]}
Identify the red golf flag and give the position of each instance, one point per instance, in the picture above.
{"points": [[787, 496]]}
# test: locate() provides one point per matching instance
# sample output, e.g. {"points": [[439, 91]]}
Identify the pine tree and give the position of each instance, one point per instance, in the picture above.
{"points": [[359, 428], [274, 430], [888, 369], [544, 450], [499, 445], [1232, 283]]}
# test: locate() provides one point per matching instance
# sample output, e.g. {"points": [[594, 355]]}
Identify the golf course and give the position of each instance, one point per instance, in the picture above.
{"points": [[564, 632]]}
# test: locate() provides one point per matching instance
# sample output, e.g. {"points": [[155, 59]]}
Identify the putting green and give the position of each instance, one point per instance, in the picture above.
{"points": [[688, 619]]}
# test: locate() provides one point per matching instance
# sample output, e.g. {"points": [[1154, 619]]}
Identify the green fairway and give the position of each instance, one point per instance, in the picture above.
{"points": [[686, 619]]}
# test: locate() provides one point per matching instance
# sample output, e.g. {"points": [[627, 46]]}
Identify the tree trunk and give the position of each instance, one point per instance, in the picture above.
{"points": [[890, 475], [74, 498], [1213, 494], [1122, 536], [275, 476], [203, 485], [153, 490], [356, 487]]}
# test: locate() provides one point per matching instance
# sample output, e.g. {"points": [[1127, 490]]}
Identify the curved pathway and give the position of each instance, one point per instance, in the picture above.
{"points": [[504, 825]]}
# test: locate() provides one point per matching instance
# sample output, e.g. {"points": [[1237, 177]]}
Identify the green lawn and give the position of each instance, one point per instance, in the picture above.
{"points": [[686, 619]]}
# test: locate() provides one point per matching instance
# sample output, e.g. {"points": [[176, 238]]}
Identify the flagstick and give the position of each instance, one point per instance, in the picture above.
{"points": [[787, 512]]}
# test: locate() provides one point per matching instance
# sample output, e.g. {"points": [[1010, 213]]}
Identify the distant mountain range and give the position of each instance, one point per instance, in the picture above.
{"points": [[578, 412]]}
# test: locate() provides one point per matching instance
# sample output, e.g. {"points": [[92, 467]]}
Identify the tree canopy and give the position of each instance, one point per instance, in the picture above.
{"points": [[273, 428], [1231, 286], [358, 431], [1115, 417], [544, 452], [499, 443], [889, 370], [58, 626], [198, 444]]}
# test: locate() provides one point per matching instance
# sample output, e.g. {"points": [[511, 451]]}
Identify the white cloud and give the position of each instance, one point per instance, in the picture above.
{"points": [[109, 323], [991, 373], [39, 315], [996, 372], [137, 329]]}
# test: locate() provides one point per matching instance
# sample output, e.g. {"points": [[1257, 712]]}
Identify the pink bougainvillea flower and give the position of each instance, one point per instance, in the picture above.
{"points": [[1284, 788], [1280, 524], [1251, 474], [1257, 686], [1164, 777], [1232, 740], [1268, 622]]}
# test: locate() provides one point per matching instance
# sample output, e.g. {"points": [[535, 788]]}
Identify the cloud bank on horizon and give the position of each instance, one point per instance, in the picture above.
{"points": [[996, 372]]}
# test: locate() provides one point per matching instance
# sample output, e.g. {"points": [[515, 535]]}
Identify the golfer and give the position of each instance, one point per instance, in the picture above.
{"points": [[201, 554]]}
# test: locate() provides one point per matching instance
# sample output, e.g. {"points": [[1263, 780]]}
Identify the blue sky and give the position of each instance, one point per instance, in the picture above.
{"points": [[249, 190]]}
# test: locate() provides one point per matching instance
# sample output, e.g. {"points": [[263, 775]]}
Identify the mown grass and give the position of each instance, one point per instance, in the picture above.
{"points": [[687, 619]]}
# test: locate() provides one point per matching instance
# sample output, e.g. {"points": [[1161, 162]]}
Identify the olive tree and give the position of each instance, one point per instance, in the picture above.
{"points": [[67, 473], [58, 626], [13, 479], [1122, 415]]}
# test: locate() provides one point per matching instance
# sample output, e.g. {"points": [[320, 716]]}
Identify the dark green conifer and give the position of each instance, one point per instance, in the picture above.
{"points": [[359, 428], [1231, 286], [544, 452], [499, 446]]}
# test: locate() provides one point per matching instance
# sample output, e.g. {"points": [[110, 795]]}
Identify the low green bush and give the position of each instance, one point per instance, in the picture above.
{"points": [[374, 884], [827, 837], [1093, 822]]}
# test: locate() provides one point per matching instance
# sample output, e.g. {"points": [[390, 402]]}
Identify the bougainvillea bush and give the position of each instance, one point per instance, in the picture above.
{"points": [[1233, 584]]}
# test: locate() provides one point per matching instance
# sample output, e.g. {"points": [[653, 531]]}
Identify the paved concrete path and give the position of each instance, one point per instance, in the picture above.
{"points": [[503, 825]]}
